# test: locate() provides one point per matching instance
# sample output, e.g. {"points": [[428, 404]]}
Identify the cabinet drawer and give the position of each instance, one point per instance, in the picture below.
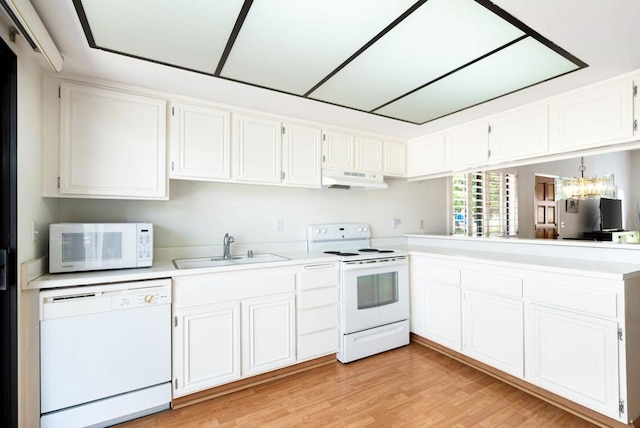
{"points": [[316, 319], [318, 276], [317, 297], [317, 344], [587, 300], [493, 283], [436, 273]]}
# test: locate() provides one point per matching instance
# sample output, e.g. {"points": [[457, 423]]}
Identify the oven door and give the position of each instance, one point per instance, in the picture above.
{"points": [[374, 293]]}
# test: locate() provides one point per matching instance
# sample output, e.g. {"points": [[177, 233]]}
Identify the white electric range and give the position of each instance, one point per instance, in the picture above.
{"points": [[374, 289]]}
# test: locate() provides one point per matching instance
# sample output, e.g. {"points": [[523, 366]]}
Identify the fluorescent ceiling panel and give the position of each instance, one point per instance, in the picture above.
{"points": [[290, 45], [189, 35], [520, 65], [411, 60], [440, 36]]}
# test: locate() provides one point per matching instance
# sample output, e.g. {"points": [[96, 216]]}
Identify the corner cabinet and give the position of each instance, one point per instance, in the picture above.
{"points": [[426, 155], [200, 143], [112, 143]]}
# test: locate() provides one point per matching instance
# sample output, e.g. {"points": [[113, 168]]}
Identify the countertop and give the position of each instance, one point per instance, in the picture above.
{"points": [[166, 269], [572, 266]]}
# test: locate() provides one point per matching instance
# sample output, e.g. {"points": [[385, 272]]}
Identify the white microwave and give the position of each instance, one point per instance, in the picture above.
{"points": [[75, 247]]}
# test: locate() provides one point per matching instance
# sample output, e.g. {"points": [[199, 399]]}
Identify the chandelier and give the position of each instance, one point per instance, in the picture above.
{"points": [[585, 187]]}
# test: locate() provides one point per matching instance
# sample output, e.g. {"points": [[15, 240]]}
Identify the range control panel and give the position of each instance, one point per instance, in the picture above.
{"points": [[338, 231]]}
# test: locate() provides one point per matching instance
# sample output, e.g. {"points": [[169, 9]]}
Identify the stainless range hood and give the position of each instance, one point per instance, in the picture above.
{"points": [[336, 179]]}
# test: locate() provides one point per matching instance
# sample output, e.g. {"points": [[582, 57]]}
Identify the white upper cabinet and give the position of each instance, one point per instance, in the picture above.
{"points": [[112, 143], [603, 115], [302, 148], [394, 159], [257, 149], [426, 155], [338, 150], [467, 146], [369, 152], [200, 142], [519, 134]]}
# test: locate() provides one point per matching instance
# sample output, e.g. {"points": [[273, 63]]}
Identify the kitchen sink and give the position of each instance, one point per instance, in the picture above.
{"points": [[203, 262]]}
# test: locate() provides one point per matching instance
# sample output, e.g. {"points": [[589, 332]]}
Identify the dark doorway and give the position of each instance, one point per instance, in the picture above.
{"points": [[8, 239]]}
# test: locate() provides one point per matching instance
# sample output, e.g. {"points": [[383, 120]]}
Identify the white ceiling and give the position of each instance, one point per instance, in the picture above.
{"points": [[601, 33]]}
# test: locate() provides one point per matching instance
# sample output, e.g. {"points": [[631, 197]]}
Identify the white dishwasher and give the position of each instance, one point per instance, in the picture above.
{"points": [[105, 353]]}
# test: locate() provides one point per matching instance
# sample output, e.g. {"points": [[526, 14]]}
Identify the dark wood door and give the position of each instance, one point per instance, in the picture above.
{"points": [[546, 208]]}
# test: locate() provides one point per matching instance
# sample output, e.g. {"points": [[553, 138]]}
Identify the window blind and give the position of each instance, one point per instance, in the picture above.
{"points": [[484, 204]]}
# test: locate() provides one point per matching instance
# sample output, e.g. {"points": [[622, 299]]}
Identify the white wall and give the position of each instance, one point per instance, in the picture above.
{"points": [[199, 213], [620, 164]]}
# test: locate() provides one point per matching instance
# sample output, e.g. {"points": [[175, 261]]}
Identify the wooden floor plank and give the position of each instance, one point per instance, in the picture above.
{"points": [[413, 386]]}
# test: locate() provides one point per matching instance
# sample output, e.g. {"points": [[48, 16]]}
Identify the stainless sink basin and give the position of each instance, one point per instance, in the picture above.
{"points": [[203, 262]]}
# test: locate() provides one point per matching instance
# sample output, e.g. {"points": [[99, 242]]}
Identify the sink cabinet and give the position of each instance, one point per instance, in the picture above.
{"points": [[232, 325]]}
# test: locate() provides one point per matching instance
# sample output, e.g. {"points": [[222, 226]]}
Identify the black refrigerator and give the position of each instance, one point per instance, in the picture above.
{"points": [[8, 239]]}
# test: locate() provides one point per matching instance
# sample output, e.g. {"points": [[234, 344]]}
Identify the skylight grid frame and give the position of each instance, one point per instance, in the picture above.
{"points": [[403, 100]]}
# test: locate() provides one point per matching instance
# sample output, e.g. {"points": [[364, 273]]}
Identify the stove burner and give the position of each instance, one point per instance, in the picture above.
{"points": [[385, 251], [368, 250], [340, 253]]}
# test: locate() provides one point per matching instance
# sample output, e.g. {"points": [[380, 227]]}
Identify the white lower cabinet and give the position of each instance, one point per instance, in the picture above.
{"points": [[232, 325], [435, 302], [206, 347], [317, 310], [268, 334], [573, 335], [493, 331], [575, 356]]}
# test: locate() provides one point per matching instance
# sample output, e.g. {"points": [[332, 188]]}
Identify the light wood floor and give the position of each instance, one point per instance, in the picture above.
{"points": [[412, 386]]}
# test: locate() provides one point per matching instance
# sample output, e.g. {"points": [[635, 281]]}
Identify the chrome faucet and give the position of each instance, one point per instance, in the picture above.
{"points": [[226, 242]]}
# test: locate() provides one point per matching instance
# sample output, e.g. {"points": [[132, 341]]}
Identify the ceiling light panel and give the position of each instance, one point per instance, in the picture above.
{"points": [[440, 36], [291, 45], [189, 35], [518, 66]]}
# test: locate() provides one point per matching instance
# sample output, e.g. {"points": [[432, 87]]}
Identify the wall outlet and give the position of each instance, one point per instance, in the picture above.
{"points": [[421, 224], [280, 225], [395, 223]]}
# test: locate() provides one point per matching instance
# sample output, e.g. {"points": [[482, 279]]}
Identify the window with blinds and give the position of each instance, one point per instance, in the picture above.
{"points": [[484, 204]]}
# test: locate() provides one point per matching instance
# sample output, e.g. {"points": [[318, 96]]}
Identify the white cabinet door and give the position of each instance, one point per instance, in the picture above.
{"points": [[467, 146], [519, 134], [257, 149], [369, 152], [302, 149], [574, 356], [395, 159], [440, 314], [338, 150], [426, 155], [493, 329], [206, 347], [200, 142], [112, 143], [592, 118], [268, 333]]}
